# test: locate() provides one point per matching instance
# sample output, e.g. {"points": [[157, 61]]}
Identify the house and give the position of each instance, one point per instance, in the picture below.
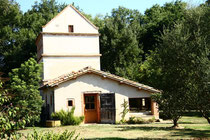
{"points": [[68, 47]]}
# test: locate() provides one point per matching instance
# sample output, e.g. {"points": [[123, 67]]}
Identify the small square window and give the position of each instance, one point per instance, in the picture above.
{"points": [[71, 28], [70, 102]]}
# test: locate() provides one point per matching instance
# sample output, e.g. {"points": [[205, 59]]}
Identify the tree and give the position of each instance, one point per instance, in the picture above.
{"points": [[10, 16], [119, 44], [24, 84], [18, 31], [171, 59], [9, 122], [157, 18], [183, 58], [199, 67]]}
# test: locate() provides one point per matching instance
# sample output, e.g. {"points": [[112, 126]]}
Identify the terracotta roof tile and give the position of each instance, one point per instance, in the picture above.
{"points": [[73, 75]]}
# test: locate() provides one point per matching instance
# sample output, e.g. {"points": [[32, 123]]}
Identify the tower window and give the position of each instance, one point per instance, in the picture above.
{"points": [[71, 28]]}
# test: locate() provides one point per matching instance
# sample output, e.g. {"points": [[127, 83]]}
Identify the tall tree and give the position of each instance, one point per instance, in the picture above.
{"points": [[200, 64], [156, 19], [10, 16], [183, 58], [24, 84], [119, 45]]}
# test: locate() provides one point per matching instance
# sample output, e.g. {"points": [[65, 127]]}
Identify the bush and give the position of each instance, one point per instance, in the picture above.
{"points": [[66, 135], [151, 120], [139, 120], [67, 117]]}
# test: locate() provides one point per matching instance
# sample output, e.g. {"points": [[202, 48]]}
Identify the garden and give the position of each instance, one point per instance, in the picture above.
{"points": [[191, 126]]}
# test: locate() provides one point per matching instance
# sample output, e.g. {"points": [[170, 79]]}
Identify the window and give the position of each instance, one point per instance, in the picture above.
{"points": [[139, 104], [89, 102], [71, 28], [70, 102]]}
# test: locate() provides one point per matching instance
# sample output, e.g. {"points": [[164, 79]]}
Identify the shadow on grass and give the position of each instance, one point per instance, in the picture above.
{"points": [[174, 132], [111, 138], [145, 128], [183, 122], [116, 138], [192, 114], [192, 133]]}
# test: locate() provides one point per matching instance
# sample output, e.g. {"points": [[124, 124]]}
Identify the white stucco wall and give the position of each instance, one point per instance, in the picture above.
{"points": [[56, 66], [90, 82], [65, 44], [69, 17]]}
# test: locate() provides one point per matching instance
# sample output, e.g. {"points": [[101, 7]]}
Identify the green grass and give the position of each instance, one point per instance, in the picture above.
{"points": [[193, 127]]}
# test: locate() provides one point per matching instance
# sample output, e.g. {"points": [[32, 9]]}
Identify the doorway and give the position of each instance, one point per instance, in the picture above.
{"points": [[108, 110], [91, 108]]}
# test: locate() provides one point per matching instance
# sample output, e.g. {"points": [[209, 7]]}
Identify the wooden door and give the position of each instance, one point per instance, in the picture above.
{"points": [[91, 108], [108, 111]]}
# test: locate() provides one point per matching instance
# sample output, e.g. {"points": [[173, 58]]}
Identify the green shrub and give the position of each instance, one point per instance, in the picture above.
{"points": [[131, 120], [67, 117], [151, 120], [66, 135], [139, 120]]}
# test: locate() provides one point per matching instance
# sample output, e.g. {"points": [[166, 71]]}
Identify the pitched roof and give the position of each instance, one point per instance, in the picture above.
{"points": [[89, 70], [77, 12]]}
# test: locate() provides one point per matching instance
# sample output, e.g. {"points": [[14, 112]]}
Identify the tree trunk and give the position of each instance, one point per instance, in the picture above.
{"points": [[207, 119], [175, 121], [205, 115]]}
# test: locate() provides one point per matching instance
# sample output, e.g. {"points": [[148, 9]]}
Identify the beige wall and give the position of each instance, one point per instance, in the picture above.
{"points": [[56, 66], [54, 47], [90, 82], [69, 17], [68, 45]]}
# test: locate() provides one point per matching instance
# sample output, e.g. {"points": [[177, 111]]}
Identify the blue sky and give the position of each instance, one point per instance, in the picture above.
{"points": [[94, 7]]}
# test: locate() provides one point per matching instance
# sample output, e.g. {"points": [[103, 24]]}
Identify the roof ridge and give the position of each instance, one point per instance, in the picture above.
{"points": [[73, 75]]}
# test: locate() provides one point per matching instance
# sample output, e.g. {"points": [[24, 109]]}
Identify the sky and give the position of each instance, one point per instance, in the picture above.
{"points": [[103, 7]]}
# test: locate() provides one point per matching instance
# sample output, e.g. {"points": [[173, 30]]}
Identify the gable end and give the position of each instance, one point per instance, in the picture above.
{"points": [[74, 10]]}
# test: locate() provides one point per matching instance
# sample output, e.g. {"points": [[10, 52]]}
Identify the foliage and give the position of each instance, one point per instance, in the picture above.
{"points": [[124, 105], [9, 27], [119, 43], [139, 120], [66, 135], [156, 19], [183, 58], [198, 69], [149, 72], [9, 122], [24, 85], [67, 117], [18, 31], [127, 36]]}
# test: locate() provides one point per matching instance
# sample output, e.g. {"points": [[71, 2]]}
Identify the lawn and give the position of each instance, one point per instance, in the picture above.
{"points": [[193, 127]]}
